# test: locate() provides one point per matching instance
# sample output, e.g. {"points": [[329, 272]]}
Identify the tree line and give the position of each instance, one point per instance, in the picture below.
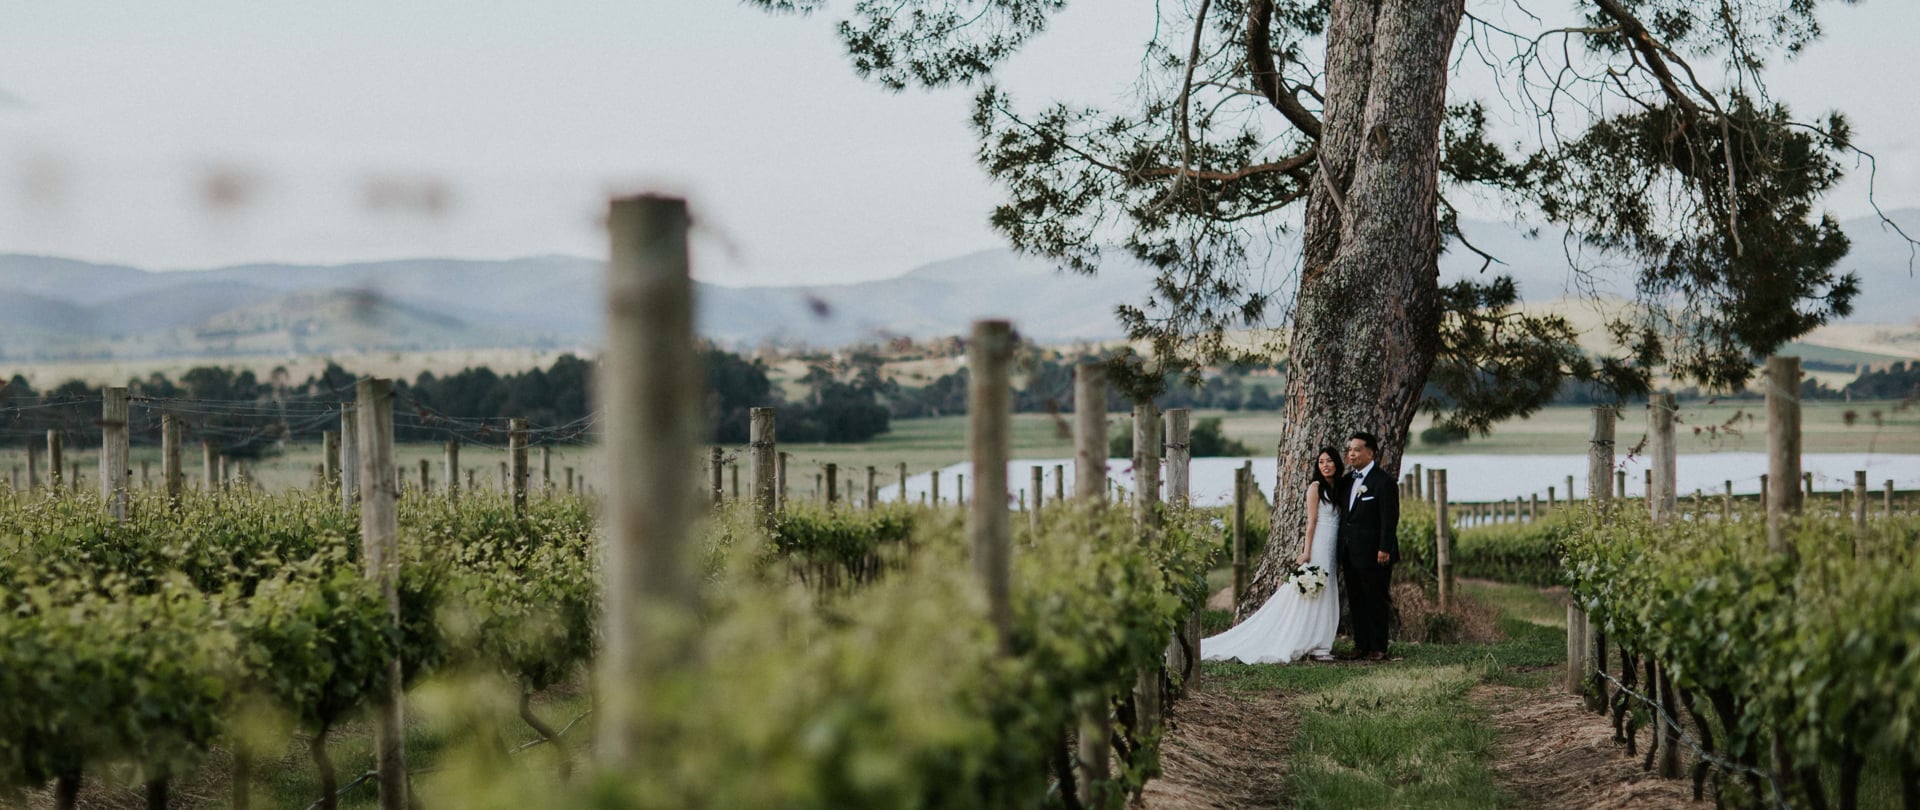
{"points": [[837, 400]]}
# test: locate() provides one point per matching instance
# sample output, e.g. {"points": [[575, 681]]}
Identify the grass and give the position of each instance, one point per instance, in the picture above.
{"points": [[1405, 734], [292, 782]]}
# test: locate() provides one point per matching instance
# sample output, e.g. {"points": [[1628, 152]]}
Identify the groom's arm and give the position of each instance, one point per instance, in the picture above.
{"points": [[1390, 520]]}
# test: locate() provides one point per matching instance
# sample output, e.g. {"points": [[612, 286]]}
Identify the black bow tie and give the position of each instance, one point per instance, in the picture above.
{"points": [[1359, 475]]}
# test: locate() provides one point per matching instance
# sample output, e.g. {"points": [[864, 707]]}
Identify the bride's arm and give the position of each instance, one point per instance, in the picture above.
{"points": [[1313, 520]]}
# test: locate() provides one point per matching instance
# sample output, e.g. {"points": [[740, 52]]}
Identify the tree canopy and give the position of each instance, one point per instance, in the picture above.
{"points": [[1652, 140]]}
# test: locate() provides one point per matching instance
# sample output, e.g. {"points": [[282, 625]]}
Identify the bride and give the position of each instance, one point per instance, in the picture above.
{"points": [[1291, 626]]}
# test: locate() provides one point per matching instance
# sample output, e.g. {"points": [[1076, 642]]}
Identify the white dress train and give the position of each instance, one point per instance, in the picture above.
{"points": [[1289, 626]]}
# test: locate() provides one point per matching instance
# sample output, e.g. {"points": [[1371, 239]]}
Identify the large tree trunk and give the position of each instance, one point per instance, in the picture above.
{"points": [[1367, 317]]}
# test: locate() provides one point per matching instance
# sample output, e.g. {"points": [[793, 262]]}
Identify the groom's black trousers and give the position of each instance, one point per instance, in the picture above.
{"points": [[1368, 595]]}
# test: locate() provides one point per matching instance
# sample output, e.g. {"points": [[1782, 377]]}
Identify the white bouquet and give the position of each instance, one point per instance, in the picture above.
{"points": [[1310, 579]]}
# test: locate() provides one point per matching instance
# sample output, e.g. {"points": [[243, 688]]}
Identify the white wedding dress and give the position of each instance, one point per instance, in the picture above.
{"points": [[1289, 626]]}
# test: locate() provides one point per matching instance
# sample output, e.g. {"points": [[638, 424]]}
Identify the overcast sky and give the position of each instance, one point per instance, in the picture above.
{"points": [[200, 133]]}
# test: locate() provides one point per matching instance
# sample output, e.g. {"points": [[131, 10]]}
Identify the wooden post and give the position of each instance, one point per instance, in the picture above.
{"points": [[1093, 743], [1765, 495], [1146, 466], [506, 479], [871, 496], [1059, 482], [210, 466], [146, 474], [1442, 540], [1553, 501], [1240, 536], [1533, 508], [733, 478], [329, 458], [1783, 447], [116, 471], [901, 471], [33, 466], [1586, 649], [379, 539], [1619, 484], [517, 464], [1649, 491], [1808, 496], [1179, 456], [990, 441], [960, 489], [1726, 503], [1860, 503], [171, 478], [1570, 490], [1663, 495], [715, 465], [546, 470], [933, 486], [1090, 432], [1419, 484], [426, 480], [349, 458], [780, 480], [568, 475], [833, 484], [451, 451], [470, 487], [1033, 510], [56, 459], [763, 449], [1889, 488], [650, 392]]}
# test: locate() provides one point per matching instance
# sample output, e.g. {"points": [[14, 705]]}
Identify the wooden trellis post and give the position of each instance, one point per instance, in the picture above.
{"points": [[116, 471], [1783, 447], [1090, 432], [379, 533], [650, 394]]}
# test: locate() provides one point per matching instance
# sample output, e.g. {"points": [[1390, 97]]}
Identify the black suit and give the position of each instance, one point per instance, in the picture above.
{"points": [[1369, 526]]}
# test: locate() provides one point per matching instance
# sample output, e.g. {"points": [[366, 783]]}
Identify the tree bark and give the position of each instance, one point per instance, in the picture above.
{"points": [[1367, 315]]}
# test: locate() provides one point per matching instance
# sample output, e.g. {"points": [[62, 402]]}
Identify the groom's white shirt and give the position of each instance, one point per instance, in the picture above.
{"points": [[1353, 492]]}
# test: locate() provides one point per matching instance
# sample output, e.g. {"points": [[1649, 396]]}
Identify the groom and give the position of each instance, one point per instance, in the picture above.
{"points": [[1369, 545]]}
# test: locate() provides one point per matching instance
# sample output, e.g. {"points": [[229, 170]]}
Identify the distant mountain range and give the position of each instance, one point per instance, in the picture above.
{"points": [[63, 309]]}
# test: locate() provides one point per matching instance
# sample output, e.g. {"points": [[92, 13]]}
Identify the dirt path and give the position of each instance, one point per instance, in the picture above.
{"points": [[1553, 754], [1223, 750]]}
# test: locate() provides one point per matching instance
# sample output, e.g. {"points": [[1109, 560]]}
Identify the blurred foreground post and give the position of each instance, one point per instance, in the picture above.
{"points": [[379, 539], [989, 441], [650, 393]]}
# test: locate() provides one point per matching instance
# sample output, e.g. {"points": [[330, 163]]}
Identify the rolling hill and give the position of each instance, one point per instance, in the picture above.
{"points": [[62, 309]]}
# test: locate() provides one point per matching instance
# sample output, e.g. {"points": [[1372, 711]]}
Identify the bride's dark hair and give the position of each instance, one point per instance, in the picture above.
{"points": [[1330, 488]]}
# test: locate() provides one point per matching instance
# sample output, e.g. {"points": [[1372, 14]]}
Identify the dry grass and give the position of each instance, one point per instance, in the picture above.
{"points": [[1223, 750], [1466, 621], [1553, 754]]}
